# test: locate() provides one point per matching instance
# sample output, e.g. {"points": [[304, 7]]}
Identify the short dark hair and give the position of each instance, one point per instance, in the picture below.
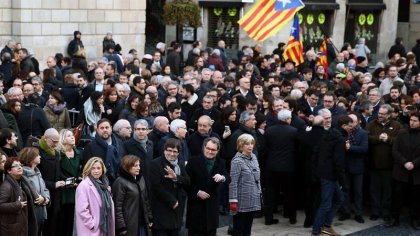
{"points": [[188, 88], [173, 143], [103, 120], [5, 134], [344, 120], [9, 163], [173, 106], [129, 161], [137, 80], [57, 96]]}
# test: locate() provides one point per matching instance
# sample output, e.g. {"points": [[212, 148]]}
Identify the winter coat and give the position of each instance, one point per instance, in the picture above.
{"points": [[203, 215], [165, 193], [380, 153], [146, 156], [356, 156], [58, 120], [329, 157], [231, 144], [406, 148], [26, 66], [281, 144], [184, 155], [32, 120], [34, 178], [132, 204], [245, 185], [15, 220], [87, 210]]}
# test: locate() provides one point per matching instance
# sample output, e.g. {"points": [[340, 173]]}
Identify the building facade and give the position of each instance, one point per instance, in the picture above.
{"points": [[46, 27]]}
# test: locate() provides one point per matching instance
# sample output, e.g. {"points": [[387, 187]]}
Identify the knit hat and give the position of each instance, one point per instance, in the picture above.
{"points": [[360, 59], [160, 45]]}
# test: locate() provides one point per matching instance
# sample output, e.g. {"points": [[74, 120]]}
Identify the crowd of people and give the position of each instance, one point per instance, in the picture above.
{"points": [[129, 145]]}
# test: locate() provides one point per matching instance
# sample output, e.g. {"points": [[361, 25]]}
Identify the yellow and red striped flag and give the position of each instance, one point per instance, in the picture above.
{"points": [[323, 58], [267, 17], [294, 48]]}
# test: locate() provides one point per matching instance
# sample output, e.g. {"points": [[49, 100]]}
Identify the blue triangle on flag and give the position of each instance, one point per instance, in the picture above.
{"points": [[287, 4]]}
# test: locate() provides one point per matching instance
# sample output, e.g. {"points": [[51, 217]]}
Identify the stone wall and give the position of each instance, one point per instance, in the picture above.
{"points": [[47, 26], [414, 27]]}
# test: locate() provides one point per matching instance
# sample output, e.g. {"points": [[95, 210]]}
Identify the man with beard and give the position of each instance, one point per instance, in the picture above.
{"points": [[389, 81], [189, 101], [381, 133], [107, 146]]}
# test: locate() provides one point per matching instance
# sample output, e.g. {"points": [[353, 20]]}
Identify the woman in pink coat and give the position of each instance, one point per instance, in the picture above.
{"points": [[94, 205]]}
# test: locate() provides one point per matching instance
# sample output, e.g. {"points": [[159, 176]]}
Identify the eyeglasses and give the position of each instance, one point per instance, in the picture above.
{"points": [[54, 141], [142, 129], [211, 149], [17, 166], [128, 127]]}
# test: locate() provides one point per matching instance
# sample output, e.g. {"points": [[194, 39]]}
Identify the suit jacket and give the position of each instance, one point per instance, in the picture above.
{"points": [[146, 156]]}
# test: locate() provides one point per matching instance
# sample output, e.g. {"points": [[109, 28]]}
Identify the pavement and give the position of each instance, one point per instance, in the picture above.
{"points": [[283, 228]]}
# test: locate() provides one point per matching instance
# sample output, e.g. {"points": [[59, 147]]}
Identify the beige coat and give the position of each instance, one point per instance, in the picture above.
{"points": [[58, 121]]}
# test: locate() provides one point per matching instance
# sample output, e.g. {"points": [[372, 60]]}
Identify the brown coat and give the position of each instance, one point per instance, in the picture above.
{"points": [[380, 153], [15, 220], [58, 121]]}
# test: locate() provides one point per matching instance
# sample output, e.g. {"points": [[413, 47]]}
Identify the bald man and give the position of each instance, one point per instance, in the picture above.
{"points": [[50, 170], [160, 130], [195, 141]]}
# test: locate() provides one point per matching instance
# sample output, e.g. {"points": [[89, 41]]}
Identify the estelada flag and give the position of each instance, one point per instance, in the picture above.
{"points": [[323, 57], [294, 48], [267, 17]]}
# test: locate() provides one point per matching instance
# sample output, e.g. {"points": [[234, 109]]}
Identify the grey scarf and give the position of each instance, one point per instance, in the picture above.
{"points": [[175, 165], [106, 212], [143, 142]]}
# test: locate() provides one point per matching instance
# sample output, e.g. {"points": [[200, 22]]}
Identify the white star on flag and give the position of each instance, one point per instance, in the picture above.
{"points": [[285, 2], [292, 30]]}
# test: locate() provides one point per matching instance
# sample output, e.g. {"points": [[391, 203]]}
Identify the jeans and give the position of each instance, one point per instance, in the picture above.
{"points": [[331, 199], [355, 183]]}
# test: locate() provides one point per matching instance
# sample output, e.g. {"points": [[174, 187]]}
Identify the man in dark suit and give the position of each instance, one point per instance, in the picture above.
{"points": [[281, 143], [207, 172], [329, 102], [207, 109], [169, 180], [139, 145]]}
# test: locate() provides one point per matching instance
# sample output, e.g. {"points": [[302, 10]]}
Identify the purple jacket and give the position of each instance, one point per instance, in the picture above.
{"points": [[88, 203]]}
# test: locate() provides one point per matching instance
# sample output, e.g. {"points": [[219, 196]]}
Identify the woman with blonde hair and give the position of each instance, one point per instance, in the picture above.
{"points": [[94, 205], [245, 187], [70, 166]]}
